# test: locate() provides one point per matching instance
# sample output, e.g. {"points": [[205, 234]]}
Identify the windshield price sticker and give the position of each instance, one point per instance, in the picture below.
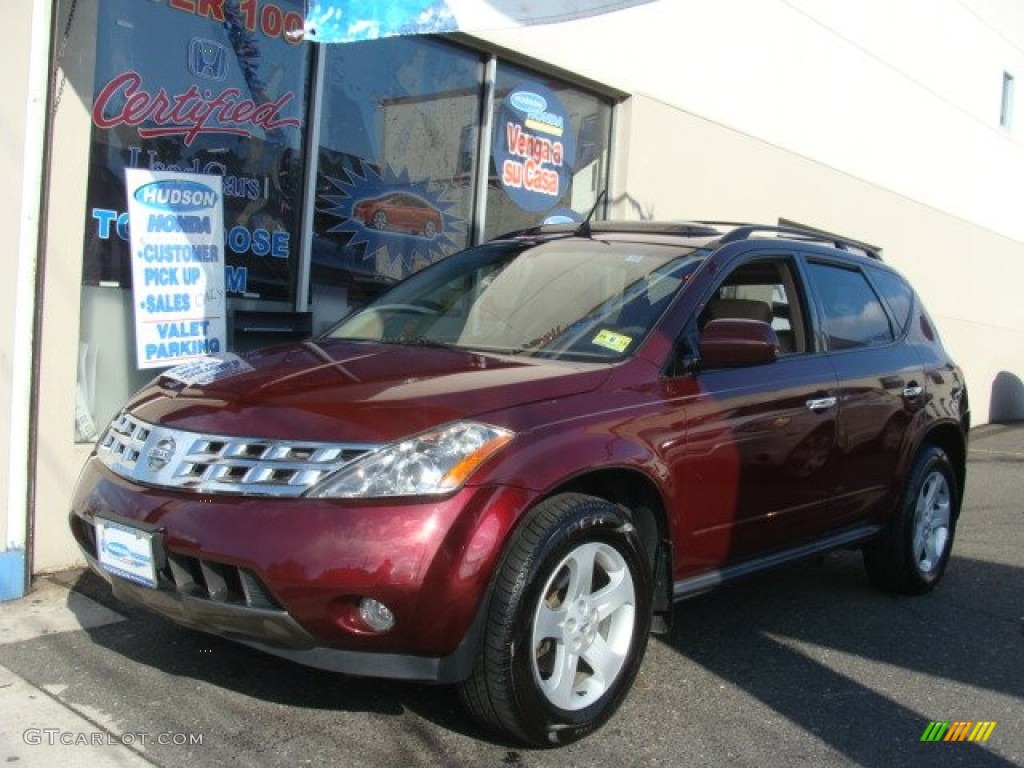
{"points": [[616, 342]]}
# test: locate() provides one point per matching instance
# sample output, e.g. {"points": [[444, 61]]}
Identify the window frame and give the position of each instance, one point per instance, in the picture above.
{"points": [[792, 276], [820, 322]]}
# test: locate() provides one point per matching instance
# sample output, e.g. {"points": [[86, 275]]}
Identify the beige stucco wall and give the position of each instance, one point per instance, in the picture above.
{"points": [[674, 165], [14, 60], [58, 458]]}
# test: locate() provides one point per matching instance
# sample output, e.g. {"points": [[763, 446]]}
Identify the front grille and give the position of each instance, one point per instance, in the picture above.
{"points": [[209, 580], [174, 458], [197, 577]]}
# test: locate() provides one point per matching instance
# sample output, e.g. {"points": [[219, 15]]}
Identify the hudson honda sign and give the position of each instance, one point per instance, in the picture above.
{"points": [[176, 221]]}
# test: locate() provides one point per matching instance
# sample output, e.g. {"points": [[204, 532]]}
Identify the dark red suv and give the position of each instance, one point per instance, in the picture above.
{"points": [[504, 471]]}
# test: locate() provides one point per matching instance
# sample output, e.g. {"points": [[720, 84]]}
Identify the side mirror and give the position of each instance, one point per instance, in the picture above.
{"points": [[735, 343]]}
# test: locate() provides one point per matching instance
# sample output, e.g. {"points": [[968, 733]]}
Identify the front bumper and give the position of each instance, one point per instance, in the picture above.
{"points": [[286, 575]]}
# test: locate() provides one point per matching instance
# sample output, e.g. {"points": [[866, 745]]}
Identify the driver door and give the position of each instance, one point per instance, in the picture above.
{"points": [[759, 461]]}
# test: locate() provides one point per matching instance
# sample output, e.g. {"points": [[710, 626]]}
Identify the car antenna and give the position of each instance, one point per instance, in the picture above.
{"points": [[583, 230]]}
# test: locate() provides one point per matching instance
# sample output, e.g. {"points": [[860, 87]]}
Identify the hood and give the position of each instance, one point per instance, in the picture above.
{"points": [[361, 392]]}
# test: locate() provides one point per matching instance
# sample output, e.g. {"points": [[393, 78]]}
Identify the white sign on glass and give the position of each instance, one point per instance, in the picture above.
{"points": [[176, 222]]}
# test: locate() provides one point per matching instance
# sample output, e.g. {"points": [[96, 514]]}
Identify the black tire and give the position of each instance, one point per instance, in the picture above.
{"points": [[513, 687], [379, 220], [910, 556]]}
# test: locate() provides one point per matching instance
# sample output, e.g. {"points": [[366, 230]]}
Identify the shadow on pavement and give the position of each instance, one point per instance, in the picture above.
{"points": [[768, 637], [183, 653]]}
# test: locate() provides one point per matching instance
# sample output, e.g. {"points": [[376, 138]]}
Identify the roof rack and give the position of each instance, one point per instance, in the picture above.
{"points": [[736, 231], [745, 231]]}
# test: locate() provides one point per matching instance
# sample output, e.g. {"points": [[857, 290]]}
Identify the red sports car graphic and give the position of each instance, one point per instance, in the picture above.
{"points": [[399, 212]]}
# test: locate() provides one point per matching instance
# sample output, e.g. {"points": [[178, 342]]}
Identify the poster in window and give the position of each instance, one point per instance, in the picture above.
{"points": [[176, 222], [214, 92], [534, 147]]}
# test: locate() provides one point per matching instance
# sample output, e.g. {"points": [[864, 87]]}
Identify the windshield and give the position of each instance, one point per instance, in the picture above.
{"points": [[568, 299]]}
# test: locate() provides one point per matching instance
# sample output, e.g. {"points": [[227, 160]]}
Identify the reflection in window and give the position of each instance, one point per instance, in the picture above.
{"points": [[148, 53], [396, 154], [897, 293], [239, 91], [557, 299], [852, 315], [544, 129]]}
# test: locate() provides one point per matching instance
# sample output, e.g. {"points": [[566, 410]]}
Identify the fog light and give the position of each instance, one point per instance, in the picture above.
{"points": [[377, 616]]}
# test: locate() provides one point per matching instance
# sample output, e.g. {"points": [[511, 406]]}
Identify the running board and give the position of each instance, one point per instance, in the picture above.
{"points": [[707, 581]]}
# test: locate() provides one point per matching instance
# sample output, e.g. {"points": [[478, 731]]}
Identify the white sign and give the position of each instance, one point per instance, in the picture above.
{"points": [[176, 222], [208, 370]]}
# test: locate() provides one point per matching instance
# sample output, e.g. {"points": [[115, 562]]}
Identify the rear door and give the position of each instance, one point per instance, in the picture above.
{"points": [[880, 382]]}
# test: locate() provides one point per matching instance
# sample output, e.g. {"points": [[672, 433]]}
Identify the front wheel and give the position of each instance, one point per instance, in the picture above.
{"points": [[910, 555], [567, 625]]}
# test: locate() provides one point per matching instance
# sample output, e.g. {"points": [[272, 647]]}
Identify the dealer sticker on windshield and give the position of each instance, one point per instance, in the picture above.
{"points": [[611, 340], [126, 552]]}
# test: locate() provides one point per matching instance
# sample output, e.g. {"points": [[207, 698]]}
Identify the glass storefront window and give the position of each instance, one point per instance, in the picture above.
{"points": [[549, 152], [398, 147], [216, 88], [221, 93], [201, 88]]}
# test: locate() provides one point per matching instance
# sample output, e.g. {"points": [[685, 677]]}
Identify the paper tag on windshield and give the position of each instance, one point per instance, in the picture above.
{"points": [[207, 370], [611, 340]]}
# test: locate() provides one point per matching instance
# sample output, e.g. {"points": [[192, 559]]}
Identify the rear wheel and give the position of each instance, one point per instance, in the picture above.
{"points": [[911, 554], [567, 625]]}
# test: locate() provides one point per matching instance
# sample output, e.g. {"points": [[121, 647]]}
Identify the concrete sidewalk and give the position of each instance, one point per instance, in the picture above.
{"points": [[997, 442], [38, 728], [41, 726]]}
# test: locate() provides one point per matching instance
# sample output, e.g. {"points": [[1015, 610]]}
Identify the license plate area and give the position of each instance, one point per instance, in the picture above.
{"points": [[126, 551]]}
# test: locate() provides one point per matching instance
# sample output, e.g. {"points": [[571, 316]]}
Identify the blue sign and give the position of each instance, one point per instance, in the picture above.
{"points": [[534, 149], [342, 21], [176, 195]]}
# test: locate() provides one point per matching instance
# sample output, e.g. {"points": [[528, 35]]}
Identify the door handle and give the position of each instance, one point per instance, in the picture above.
{"points": [[818, 404]]}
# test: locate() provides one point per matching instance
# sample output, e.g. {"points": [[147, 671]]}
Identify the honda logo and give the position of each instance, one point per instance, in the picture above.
{"points": [[207, 59]]}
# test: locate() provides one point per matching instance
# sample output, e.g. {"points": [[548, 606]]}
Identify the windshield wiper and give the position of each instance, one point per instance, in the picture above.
{"points": [[420, 341]]}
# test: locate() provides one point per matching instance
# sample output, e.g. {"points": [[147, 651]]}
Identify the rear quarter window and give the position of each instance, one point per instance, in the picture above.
{"points": [[897, 294]]}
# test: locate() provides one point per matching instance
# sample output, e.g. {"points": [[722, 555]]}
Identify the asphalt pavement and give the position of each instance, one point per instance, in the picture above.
{"points": [[806, 666]]}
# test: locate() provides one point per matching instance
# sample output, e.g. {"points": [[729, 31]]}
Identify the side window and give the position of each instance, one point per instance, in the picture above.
{"points": [[897, 294], [851, 313], [763, 290]]}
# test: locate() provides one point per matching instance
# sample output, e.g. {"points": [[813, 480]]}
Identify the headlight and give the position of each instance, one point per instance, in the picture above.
{"points": [[431, 463]]}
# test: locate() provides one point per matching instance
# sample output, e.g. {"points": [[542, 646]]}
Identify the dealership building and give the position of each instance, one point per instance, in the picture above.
{"points": [[342, 168]]}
